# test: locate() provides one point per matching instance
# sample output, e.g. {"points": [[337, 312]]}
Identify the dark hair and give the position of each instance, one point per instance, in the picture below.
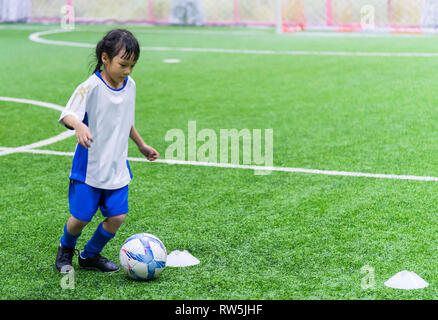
{"points": [[115, 41]]}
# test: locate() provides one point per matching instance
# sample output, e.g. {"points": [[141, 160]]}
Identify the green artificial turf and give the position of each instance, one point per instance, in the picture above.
{"points": [[277, 236]]}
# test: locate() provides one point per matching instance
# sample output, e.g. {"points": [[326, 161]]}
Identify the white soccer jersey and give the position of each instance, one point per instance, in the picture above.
{"points": [[109, 114]]}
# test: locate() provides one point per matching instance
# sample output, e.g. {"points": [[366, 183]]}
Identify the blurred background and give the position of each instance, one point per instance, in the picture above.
{"points": [[286, 15]]}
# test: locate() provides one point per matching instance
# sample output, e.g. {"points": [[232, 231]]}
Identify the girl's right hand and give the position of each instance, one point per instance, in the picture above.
{"points": [[83, 136]]}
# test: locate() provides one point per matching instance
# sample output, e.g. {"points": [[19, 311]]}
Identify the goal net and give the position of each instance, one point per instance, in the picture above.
{"points": [[360, 15], [286, 15]]}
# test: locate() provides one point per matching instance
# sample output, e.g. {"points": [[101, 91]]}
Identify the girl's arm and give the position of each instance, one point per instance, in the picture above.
{"points": [[83, 134], [150, 153]]}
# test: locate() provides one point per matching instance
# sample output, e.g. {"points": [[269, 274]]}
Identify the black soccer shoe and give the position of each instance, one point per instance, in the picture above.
{"points": [[64, 259], [97, 262]]}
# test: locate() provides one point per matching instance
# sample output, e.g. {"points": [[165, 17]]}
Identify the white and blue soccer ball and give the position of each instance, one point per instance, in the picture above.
{"points": [[143, 256]]}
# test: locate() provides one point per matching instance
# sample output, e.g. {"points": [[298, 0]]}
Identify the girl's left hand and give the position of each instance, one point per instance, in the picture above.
{"points": [[150, 153]]}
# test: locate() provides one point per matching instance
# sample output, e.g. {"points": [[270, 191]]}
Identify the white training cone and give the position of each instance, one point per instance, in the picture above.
{"points": [[406, 280], [181, 259]]}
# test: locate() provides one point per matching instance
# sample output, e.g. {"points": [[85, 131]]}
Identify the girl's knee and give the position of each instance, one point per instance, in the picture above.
{"points": [[75, 226], [116, 221]]}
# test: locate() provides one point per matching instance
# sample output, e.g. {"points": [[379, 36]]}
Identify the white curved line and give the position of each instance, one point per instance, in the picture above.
{"points": [[36, 37], [59, 137], [34, 102], [40, 151], [294, 53]]}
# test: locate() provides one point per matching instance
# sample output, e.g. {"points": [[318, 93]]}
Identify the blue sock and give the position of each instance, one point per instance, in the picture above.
{"points": [[68, 240], [99, 239]]}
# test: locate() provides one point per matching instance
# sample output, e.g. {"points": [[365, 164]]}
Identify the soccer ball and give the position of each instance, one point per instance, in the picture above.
{"points": [[143, 256]]}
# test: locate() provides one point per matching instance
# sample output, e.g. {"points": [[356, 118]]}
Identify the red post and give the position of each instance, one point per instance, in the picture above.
{"points": [[329, 13], [236, 11], [151, 10]]}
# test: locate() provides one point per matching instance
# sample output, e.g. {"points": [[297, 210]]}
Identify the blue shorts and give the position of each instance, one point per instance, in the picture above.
{"points": [[84, 201]]}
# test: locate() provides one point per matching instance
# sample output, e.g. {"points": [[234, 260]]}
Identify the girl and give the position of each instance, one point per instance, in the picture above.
{"points": [[101, 111]]}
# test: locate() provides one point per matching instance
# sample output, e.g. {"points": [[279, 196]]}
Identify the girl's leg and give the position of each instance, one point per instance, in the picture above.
{"points": [[103, 234], [75, 226], [114, 206], [66, 249], [72, 231], [112, 224]]}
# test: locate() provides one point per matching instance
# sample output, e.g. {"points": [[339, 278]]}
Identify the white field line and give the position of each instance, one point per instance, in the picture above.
{"points": [[294, 53], [37, 151], [36, 37], [247, 167], [312, 34], [59, 137], [34, 102]]}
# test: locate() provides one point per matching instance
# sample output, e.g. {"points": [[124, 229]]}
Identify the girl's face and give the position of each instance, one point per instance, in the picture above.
{"points": [[118, 68]]}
